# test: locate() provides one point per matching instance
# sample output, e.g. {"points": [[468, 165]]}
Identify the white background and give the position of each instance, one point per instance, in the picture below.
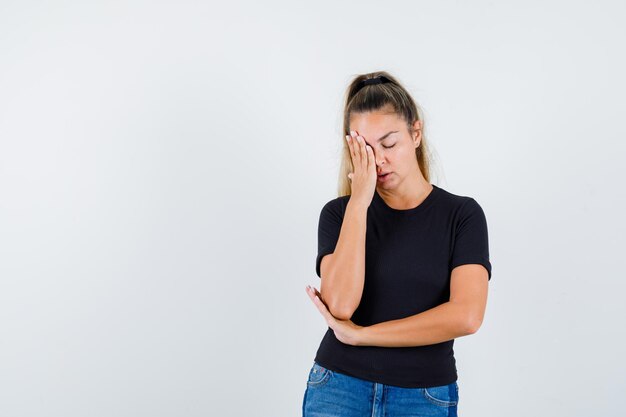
{"points": [[163, 166]]}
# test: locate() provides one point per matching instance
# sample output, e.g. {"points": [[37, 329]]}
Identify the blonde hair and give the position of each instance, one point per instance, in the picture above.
{"points": [[374, 97]]}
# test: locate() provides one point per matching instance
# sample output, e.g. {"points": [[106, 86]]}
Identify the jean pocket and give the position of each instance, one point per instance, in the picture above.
{"points": [[318, 375], [443, 395]]}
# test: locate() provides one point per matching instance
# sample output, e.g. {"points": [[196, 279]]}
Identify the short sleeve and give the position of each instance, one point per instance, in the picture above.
{"points": [[471, 242], [329, 226]]}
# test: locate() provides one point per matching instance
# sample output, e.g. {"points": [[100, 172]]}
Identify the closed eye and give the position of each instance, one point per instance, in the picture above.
{"points": [[387, 147]]}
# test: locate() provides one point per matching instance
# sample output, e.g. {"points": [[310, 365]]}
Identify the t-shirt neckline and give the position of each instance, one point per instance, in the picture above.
{"points": [[380, 202]]}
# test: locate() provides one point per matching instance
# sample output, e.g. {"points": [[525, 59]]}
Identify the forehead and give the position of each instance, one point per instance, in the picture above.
{"points": [[372, 123]]}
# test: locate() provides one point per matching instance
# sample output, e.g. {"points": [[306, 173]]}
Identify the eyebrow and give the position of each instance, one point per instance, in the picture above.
{"points": [[389, 133]]}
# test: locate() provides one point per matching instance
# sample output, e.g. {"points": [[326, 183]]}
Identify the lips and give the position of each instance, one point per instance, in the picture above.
{"points": [[383, 177]]}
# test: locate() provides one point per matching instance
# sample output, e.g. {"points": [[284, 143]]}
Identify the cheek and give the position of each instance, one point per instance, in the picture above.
{"points": [[404, 157]]}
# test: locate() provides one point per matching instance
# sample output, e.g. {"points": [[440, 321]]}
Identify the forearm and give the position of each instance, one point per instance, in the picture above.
{"points": [[444, 322], [343, 286]]}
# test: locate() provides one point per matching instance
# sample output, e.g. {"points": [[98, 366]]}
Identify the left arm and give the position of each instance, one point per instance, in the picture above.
{"points": [[461, 316]]}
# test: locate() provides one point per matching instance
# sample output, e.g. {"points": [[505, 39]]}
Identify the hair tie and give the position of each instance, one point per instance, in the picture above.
{"points": [[381, 79]]}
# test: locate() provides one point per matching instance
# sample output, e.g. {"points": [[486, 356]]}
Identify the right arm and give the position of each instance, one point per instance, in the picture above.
{"points": [[343, 271]]}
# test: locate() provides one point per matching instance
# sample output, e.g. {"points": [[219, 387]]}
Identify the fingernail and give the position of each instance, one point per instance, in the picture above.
{"points": [[352, 132]]}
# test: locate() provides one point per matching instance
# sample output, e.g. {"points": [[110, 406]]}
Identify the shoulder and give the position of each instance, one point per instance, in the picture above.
{"points": [[460, 205], [336, 206]]}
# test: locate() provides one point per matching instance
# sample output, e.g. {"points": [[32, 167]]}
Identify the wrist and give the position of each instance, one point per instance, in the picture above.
{"points": [[358, 205], [363, 336]]}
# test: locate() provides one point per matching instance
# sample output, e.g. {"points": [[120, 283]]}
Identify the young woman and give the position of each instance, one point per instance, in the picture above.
{"points": [[404, 268]]}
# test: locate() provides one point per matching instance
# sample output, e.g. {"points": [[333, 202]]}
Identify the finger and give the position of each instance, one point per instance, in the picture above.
{"points": [[330, 319], [371, 161], [312, 291], [320, 305], [363, 152], [350, 141], [323, 309], [358, 160], [316, 292]]}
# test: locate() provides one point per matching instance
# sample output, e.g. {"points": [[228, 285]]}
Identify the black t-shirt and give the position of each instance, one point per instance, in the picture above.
{"points": [[409, 256]]}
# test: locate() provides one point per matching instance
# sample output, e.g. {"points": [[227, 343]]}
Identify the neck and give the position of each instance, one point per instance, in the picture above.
{"points": [[408, 194]]}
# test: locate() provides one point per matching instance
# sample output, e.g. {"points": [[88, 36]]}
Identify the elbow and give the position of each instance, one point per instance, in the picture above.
{"points": [[344, 315], [341, 313], [338, 310], [338, 304], [472, 324]]}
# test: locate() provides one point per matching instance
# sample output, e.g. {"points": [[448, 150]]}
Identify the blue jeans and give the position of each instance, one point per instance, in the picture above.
{"points": [[330, 393]]}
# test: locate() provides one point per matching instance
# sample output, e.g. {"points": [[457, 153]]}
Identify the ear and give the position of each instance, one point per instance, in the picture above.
{"points": [[417, 132]]}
